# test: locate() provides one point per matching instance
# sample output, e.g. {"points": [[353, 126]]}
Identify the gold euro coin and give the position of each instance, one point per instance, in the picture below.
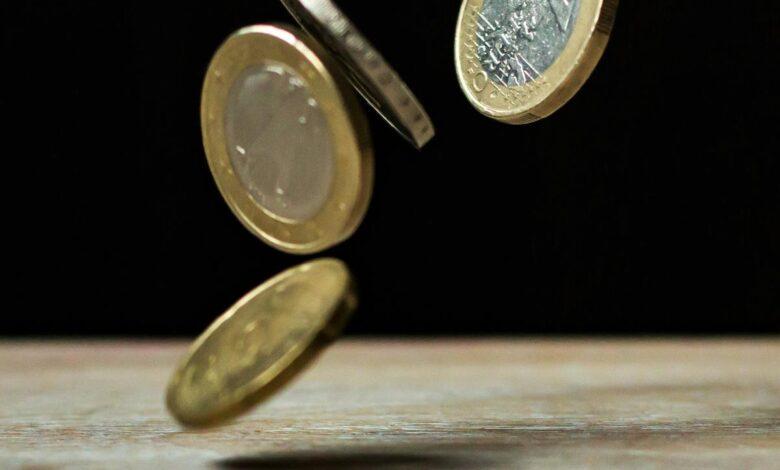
{"points": [[520, 60], [286, 139], [261, 343]]}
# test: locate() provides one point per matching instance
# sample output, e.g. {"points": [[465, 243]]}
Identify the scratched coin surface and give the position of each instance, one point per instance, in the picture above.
{"points": [[286, 139], [372, 76], [261, 342], [520, 60]]}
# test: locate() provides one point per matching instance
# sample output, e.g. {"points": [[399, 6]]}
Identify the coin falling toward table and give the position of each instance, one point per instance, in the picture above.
{"points": [[520, 60]]}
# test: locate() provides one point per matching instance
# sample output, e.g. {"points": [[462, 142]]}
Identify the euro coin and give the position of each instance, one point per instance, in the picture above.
{"points": [[261, 342], [521, 60], [372, 76], [286, 139]]}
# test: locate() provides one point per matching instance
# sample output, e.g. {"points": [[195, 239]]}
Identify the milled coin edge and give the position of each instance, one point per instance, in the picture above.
{"points": [[365, 65]]}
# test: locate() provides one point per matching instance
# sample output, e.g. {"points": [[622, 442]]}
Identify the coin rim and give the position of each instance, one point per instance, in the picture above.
{"points": [[277, 375], [371, 75], [565, 77], [352, 184]]}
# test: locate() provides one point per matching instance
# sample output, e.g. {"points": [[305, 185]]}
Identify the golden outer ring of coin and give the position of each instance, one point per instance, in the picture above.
{"points": [[352, 152], [284, 370], [554, 87]]}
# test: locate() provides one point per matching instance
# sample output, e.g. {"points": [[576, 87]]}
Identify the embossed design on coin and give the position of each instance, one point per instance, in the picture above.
{"points": [[517, 40], [290, 177], [520, 60], [261, 342]]}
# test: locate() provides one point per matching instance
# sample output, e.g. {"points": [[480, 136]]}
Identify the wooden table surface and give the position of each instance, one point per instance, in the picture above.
{"points": [[520, 403]]}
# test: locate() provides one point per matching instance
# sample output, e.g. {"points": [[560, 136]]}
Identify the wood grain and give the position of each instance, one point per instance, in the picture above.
{"points": [[410, 404]]}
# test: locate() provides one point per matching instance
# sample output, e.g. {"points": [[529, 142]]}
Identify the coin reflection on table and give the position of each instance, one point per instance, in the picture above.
{"points": [[261, 343], [520, 60]]}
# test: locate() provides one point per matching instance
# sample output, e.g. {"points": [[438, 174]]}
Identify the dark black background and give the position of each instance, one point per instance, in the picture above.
{"points": [[650, 203]]}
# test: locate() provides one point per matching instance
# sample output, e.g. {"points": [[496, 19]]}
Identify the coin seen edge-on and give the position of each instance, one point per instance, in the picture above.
{"points": [[371, 75]]}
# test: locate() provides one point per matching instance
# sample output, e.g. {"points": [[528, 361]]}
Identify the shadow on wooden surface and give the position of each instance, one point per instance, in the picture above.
{"points": [[356, 460]]}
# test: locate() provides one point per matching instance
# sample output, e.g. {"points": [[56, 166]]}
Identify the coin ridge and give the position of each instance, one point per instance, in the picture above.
{"points": [[365, 66]]}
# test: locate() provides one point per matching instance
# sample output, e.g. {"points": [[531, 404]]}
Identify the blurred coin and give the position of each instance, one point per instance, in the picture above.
{"points": [[520, 60], [286, 139], [379, 84], [261, 342]]}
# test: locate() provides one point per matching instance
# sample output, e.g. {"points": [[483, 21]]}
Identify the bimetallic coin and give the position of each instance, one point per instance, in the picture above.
{"points": [[261, 342], [372, 76], [286, 140], [520, 60]]}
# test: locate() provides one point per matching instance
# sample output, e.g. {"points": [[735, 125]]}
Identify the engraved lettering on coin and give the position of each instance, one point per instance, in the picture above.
{"points": [[517, 40], [278, 141]]}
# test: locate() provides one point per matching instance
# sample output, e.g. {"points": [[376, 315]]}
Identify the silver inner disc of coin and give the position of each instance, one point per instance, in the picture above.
{"points": [[279, 143], [517, 40]]}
